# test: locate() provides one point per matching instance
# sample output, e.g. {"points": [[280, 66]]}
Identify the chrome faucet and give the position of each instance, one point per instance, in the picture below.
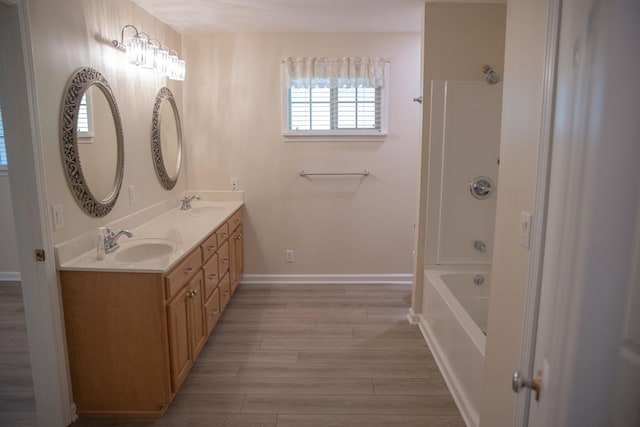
{"points": [[186, 202], [111, 239], [479, 245]]}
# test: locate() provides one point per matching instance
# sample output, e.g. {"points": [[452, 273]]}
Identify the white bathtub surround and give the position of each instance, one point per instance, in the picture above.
{"points": [[451, 301], [464, 145], [163, 220]]}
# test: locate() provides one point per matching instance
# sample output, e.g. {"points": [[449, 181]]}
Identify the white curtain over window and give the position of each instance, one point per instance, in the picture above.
{"points": [[343, 72]]}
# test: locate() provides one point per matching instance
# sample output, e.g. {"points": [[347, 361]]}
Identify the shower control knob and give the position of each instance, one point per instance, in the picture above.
{"points": [[481, 187], [518, 383]]}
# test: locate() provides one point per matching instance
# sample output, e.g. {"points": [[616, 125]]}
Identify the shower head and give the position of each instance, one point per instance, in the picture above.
{"points": [[491, 76]]}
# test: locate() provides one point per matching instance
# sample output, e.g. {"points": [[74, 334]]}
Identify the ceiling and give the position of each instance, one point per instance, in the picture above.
{"points": [[209, 16]]}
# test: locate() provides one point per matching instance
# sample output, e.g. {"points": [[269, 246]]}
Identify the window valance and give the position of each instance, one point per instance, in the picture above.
{"points": [[344, 72]]}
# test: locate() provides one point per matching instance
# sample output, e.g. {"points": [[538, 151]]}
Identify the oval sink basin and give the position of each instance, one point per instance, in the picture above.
{"points": [[205, 209], [144, 250]]}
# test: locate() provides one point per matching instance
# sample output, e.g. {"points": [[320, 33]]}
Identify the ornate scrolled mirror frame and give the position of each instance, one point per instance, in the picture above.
{"points": [[81, 80], [167, 181]]}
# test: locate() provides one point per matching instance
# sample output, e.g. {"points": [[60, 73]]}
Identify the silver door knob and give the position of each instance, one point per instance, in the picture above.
{"points": [[518, 382]]}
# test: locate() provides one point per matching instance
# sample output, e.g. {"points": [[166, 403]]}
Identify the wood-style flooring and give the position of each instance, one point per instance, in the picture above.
{"points": [[17, 402], [311, 356]]}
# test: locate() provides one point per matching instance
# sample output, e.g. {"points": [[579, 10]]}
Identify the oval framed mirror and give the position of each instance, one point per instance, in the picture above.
{"points": [[166, 139], [92, 142]]}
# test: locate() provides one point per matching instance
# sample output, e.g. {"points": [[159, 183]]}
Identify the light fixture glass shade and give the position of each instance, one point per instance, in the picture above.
{"points": [[150, 57], [136, 49], [181, 69], [162, 58], [172, 65]]}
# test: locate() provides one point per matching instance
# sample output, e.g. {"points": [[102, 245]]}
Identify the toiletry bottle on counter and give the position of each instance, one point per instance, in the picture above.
{"points": [[100, 253]]}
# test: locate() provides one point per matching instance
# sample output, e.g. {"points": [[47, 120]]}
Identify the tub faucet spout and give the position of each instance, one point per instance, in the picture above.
{"points": [[480, 246]]}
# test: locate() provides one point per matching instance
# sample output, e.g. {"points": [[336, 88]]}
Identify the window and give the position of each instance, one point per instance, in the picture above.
{"points": [[3, 148], [85, 120], [334, 98], [337, 108]]}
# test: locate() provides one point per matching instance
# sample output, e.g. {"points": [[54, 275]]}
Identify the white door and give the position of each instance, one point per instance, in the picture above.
{"points": [[41, 295], [588, 335]]}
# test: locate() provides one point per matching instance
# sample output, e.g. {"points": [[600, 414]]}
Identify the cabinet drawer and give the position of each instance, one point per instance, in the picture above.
{"points": [[184, 271], [209, 246], [211, 277], [223, 233], [223, 259], [235, 221], [212, 310], [225, 292]]}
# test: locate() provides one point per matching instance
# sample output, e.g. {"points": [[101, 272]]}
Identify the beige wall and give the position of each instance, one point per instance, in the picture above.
{"points": [[458, 39], [521, 116], [233, 129], [8, 252], [70, 34]]}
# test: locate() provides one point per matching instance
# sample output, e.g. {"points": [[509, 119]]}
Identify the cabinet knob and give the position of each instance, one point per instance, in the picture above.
{"points": [[211, 248], [211, 276], [239, 236], [224, 261], [237, 221], [190, 294], [188, 270]]}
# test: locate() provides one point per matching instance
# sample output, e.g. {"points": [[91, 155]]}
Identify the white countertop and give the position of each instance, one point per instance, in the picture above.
{"points": [[186, 229]]}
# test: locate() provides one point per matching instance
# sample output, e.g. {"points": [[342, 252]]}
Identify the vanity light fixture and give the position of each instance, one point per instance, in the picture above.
{"points": [[148, 53]]}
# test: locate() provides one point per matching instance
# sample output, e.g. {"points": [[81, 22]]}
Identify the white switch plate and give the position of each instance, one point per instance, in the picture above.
{"points": [[58, 217], [289, 255], [525, 229], [132, 195], [235, 185]]}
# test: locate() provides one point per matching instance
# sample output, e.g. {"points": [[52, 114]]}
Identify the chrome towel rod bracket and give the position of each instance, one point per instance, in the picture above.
{"points": [[366, 172]]}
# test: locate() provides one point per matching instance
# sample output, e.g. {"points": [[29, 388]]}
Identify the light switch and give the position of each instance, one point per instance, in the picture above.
{"points": [[525, 229], [58, 217]]}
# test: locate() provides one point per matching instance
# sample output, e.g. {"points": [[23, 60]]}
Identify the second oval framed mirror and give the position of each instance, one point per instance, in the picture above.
{"points": [[166, 139]]}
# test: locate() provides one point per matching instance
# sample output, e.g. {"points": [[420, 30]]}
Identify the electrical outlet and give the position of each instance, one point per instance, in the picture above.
{"points": [[235, 186], [132, 195], [289, 255], [525, 229], [58, 217]]}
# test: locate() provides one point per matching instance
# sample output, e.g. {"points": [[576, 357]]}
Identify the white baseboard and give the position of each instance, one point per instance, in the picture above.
{"points": [[337, 279], [412, 317], [9, 276], [469, 415]]}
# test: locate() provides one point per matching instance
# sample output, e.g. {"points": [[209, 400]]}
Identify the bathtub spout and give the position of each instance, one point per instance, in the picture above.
{"points": [[479, 245]]}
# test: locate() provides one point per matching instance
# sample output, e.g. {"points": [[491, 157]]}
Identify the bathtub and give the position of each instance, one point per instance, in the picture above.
{"points": [[454, 323]]}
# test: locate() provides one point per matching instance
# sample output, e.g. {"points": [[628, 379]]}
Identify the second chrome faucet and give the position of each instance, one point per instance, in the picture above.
{"points": [[186, 202]]}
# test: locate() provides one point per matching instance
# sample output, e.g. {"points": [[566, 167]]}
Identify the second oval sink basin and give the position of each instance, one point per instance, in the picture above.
{"points": [[205, 209], [144, 249]]}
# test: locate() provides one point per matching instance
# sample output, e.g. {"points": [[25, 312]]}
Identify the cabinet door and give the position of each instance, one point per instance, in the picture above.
{"points": [[211, 277], [239, 254], [223, 259], [233, 274], [179, 346], [197, 327], [236, 265], [212, 310]]}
